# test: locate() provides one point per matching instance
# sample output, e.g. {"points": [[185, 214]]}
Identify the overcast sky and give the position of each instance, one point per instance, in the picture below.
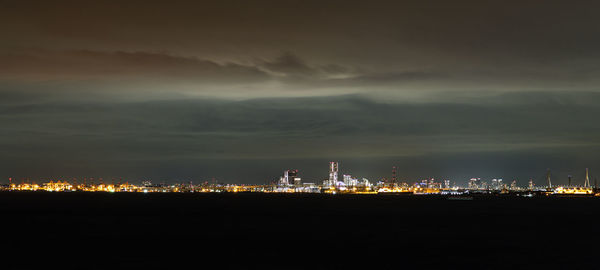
{"points": [[241, 90]]}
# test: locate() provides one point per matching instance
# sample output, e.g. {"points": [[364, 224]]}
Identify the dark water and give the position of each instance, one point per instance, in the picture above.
{"points": [[249, 231]]}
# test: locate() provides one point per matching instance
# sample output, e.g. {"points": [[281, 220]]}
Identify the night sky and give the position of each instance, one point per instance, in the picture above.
{"points": [[241, 90]]}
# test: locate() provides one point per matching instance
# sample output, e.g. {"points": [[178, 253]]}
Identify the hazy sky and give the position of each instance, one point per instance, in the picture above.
{"points": [[241, 90]]}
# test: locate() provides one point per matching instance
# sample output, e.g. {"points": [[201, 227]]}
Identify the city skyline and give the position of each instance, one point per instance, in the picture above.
{"points": [[584, 178], [291, 182], [240, 91]]}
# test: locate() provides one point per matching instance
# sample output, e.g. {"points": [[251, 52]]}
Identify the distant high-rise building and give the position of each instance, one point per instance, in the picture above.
{"points": [[292, 173], [350, 181], [347, 179], [494, 184], [474, 183], [531, 186], [283, 180], [289, 177], [431, 183], [483, 185], [497, 184], [446, 183], [365, 182], [333, 173]]}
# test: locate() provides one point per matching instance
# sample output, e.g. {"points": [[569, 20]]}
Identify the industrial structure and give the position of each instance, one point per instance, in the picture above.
{"points": [[586, 184]]}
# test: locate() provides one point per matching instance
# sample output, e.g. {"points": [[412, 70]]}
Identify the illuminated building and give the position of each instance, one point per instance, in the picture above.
{"points": [[307, 188], [333, 173], [433, 184], [285, 179], [289, 177], [364, 182], [483, 185], [496, 184], [349, 181], [574, 190], [513, 185], [474, 183], [293, 177], [531, 186], [57, 186]]}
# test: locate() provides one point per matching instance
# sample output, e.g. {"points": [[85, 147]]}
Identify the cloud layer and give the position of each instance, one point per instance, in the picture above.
{"points": [[127, 135]]}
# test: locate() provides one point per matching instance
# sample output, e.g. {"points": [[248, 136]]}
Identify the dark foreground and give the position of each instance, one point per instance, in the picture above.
{"points": [[248, 231]]}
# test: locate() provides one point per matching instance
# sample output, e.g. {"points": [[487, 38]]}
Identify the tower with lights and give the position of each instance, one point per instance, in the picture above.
{"points": [[333, 173]]}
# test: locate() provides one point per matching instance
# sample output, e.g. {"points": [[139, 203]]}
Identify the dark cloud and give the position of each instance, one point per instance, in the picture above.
{"points": [[84, 64], [389, 79], [289, 64], [93, 72]]}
